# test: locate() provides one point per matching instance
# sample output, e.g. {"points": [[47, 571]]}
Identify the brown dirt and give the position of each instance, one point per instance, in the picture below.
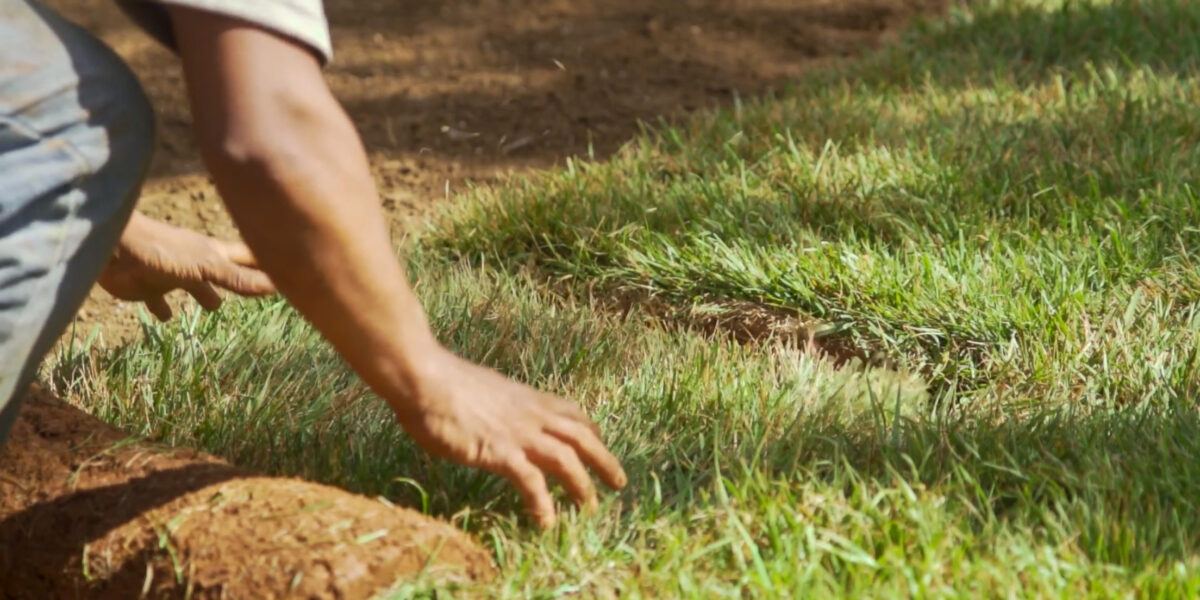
{"points": [[744, 322], [86, 511], [450, 91]]}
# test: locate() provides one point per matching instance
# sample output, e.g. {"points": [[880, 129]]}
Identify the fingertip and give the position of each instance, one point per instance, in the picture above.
{"points": [[593, 451], [262, 284], [206, 296], [542, 509], [545, 503], [613, 475], [545, 521], [531, 484], [159, 308], [621, 480]]}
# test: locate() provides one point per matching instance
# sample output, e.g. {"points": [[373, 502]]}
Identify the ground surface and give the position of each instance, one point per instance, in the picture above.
{"points": [[1001, 205], [443, 93], [470, 90]]}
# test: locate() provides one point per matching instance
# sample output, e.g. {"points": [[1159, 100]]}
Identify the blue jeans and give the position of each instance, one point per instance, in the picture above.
{"points": [[76, 136]]}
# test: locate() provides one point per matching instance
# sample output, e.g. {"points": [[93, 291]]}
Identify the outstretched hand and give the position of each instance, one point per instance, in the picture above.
{"points": [[154, 258], [476, 416]]}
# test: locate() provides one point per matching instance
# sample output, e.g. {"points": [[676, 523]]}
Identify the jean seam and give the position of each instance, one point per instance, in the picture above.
{"points": [[67, 145], [22, 129]]}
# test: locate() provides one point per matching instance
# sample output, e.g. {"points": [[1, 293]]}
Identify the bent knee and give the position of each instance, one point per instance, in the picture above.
{"points": [[68, 85], [77, 91], [118, 135], [112, 137]]}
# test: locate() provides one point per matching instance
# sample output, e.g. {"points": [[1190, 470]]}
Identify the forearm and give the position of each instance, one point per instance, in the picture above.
{"points": [[314, 223], [294, 176]]}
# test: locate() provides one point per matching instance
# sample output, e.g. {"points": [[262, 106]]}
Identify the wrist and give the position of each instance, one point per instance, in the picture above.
{"points": [[402, 371]]}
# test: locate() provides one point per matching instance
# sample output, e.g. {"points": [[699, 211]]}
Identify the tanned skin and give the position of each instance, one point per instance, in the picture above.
{"points": [[294, 176]]}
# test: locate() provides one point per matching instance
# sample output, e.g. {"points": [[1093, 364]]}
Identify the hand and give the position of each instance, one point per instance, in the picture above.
{"points": [[477, 417], [154, 258]]}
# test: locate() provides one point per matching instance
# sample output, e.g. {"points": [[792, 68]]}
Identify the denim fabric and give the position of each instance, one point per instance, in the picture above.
{"points": [[76, 136]]}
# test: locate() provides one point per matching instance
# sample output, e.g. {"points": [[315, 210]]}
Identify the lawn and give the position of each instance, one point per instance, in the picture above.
{"points": [[922, 325]]}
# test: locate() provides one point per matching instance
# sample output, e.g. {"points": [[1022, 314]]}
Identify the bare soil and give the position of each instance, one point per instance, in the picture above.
{"points": [[87, 512], [444, 93]]}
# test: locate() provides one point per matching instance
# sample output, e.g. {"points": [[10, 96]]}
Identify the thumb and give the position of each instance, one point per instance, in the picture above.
{"points": [[237, 253]]}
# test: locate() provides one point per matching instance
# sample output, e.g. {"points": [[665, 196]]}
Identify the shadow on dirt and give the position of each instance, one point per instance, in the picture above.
{"points": [[531, 89], [38, 543], [473, 88]]}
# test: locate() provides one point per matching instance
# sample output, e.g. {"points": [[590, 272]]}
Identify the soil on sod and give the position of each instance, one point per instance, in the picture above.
{"points": [[443, 92], [87, 512]]}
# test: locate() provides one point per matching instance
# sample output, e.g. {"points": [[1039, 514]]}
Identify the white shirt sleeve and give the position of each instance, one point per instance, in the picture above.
{"points": [[301, 20]]}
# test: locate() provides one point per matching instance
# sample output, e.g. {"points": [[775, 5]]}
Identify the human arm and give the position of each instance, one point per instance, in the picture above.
{"points": [[294, 176]]}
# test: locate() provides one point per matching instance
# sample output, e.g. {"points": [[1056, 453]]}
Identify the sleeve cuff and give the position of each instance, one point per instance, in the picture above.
{"points": [[301, 20]]}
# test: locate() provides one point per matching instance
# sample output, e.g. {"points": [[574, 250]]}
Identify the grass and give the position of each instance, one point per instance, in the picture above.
{"points": [[1005, 204]]}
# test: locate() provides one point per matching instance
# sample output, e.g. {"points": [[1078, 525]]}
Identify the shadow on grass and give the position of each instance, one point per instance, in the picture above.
{"points": [[1118, 485], [1121, 487], [1017, 44], [1035, 43], [1115, 177]]}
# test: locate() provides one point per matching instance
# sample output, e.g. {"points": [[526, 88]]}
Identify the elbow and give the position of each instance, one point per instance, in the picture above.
{"points": [[284, 159], [271, 143], [254, 154], [243, 152]]}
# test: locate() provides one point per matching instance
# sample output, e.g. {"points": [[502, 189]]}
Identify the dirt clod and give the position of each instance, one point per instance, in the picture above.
{"points": [[86, 511]]}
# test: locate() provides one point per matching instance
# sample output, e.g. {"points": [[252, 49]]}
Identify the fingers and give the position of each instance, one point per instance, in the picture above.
{"points": [[560, 461], [204, 294], [159, 308], [532, 485], [583, 440]]}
